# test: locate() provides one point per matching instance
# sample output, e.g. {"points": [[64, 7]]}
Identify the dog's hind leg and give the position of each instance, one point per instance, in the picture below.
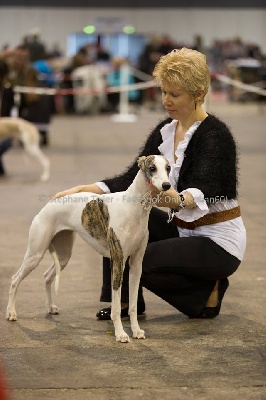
{"points": [[30, 139], [62, 244], [38, 243], [34, 150], [31, 261]]}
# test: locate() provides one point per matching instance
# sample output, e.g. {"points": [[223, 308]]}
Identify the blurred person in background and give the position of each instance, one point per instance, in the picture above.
{"points": [[55, 51], [45, 71], [199, 44], [166, 45], [32, 107], [6, 105], [146, 63], [46, 78], [78, 60], [102, 56], [37, 49]]}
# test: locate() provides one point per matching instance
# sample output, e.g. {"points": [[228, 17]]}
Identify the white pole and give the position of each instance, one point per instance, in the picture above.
{"points": [[124, 104], [124, 114]]}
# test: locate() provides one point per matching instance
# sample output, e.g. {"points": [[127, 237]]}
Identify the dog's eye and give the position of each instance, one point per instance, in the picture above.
{"points": [[168, 168], [152, 168]]}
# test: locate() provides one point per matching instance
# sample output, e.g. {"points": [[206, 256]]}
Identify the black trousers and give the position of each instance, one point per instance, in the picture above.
{"points": [[181, 271], [7, 97]]}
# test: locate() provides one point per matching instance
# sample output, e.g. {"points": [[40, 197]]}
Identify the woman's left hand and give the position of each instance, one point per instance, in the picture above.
{"points": [[170, 198]]}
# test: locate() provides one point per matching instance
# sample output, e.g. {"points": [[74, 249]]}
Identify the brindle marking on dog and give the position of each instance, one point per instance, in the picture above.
{"points": [[117, 258], [148, 166], [145, 163], [95, 220]]}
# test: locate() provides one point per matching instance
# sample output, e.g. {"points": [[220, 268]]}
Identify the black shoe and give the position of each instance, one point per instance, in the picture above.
{"points": [[105, 313], [212, 312]]}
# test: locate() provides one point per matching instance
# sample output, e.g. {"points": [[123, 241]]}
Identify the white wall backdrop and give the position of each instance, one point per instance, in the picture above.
{"points": [[56, 24]]}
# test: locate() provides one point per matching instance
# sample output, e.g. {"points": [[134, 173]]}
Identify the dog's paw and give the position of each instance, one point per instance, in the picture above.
{"points": [[123, 338], [11, 315], [140, 334], [53, 310]]}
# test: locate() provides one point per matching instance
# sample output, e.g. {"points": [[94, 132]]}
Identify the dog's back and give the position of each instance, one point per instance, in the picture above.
{"points": [[25, 131], [18, 128]]}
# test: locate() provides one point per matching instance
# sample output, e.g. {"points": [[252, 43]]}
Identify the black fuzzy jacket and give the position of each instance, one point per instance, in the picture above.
{"points": [[210, 162]]}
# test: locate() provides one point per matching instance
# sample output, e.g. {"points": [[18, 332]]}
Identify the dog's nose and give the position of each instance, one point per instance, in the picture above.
{"points": [[166, 186]]}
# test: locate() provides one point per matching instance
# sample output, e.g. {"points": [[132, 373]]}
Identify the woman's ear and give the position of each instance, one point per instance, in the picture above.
{"points": [[199, 96]]}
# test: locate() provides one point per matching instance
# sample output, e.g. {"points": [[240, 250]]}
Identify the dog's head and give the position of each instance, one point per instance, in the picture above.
{"points": [[156, 170]]}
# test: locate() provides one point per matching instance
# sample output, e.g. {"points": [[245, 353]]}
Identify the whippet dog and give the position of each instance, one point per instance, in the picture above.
{"points": [[29, 136], [114, 224]]}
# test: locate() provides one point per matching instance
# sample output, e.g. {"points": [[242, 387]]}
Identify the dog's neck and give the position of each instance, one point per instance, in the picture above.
{"points": [[141, 190]]}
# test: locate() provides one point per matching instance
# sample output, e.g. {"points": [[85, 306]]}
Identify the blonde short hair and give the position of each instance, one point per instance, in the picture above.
{"points": [[185, 68]]}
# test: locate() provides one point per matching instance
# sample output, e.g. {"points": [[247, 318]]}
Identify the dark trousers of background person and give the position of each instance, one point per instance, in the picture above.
{"points": [[113, 100], [7, 103], [181, 271], [39, 113], [67, 83]]}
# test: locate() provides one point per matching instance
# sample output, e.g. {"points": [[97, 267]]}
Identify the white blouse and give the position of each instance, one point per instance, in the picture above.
{"points": [[230, 235]]}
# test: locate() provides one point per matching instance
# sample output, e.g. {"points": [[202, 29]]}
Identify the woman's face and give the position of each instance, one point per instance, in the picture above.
{"points": [[177, 101]]}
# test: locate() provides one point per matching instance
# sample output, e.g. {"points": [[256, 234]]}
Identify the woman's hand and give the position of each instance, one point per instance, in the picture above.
{"points": [[171, 199], [92, 188]]}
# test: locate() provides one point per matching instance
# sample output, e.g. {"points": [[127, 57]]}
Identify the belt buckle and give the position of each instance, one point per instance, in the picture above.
{"points": [[188, 225], [194, 225]]}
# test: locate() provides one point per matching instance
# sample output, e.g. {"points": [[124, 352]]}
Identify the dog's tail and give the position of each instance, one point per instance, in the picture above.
{"points": [[57, 266]]}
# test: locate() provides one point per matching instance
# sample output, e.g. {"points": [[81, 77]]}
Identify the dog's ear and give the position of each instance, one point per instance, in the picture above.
{"points": [[141, 162]]}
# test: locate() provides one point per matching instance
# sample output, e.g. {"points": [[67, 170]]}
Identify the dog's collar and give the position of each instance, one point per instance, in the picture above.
{"points": [[148, 201]]}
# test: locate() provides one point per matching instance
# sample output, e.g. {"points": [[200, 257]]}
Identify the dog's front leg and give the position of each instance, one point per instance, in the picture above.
{"points": [[135, 270], [120, 334], [118, 265]]}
